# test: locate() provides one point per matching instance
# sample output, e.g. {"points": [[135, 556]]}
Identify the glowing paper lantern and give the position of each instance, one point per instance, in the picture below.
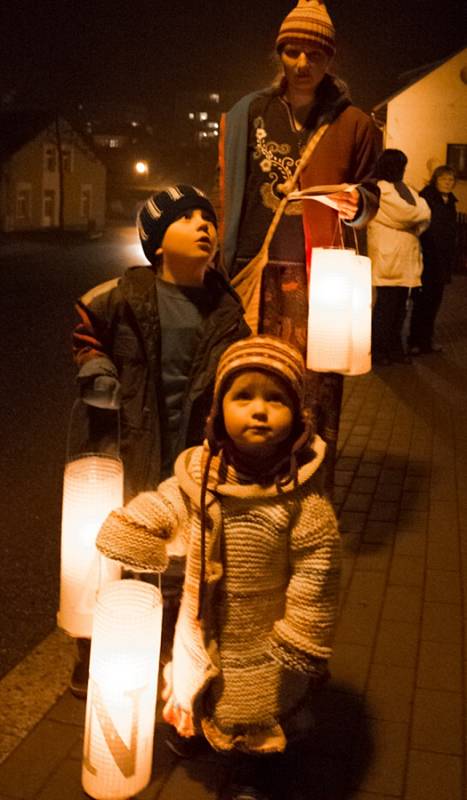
{"points": [[339, 312], [92, 487], [121, 701]]}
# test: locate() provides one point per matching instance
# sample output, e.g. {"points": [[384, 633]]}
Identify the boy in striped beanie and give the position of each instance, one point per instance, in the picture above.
{"points": [[147, 346]]}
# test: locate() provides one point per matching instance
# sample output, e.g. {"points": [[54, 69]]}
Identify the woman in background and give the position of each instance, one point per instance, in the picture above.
{"points": [[439, 248]]}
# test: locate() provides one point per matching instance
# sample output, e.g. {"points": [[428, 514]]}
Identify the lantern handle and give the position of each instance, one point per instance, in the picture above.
{"points": [[109, 433]]}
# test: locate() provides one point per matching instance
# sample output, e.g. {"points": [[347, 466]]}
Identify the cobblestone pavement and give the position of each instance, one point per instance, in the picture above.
{"points": [[390, 724]]}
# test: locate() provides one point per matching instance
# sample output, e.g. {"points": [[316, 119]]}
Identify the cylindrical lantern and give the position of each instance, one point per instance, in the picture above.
{"points": [[92, 487], [339, 312], [121, 700]]}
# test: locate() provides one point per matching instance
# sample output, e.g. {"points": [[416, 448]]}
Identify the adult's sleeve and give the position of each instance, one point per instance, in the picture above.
{"points": [[365, 154]]}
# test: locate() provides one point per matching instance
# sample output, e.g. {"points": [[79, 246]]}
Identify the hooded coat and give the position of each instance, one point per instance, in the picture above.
{"points": [[393, 238], [244, 669]]}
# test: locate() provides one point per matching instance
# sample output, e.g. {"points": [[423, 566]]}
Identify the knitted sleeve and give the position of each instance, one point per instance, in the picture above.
{"points": [[302, 639], [143, 534]]}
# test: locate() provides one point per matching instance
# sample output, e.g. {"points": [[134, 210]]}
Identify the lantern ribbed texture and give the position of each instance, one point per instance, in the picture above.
{"points": [[121, 702], [339, 314], [92, 487]]}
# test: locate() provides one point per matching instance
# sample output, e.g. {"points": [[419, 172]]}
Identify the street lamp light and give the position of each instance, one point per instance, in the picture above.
{"points": [[141, 167]]}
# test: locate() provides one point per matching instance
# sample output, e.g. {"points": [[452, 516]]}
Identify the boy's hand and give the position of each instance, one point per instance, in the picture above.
{"points": [[102, 391]]}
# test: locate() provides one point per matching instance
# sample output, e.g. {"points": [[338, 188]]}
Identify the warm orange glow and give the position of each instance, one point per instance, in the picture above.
{"points": [[92, 487], [339, 316], [121, 702], [141, 167]]}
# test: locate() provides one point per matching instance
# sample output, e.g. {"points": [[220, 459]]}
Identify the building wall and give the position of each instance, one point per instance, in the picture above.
{"points": [[27, 168], [428, 115]]}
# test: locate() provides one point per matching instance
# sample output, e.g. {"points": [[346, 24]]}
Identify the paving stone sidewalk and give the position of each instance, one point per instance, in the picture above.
{"points": [[391, 723]]}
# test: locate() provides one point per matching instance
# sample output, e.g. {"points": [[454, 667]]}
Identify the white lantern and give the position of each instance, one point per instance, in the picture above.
{"points": [[339, 312], [92, 487], [121, 700]]}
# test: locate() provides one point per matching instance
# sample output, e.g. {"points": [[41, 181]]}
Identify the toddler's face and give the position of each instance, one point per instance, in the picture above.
{"points": [[258, 413]]}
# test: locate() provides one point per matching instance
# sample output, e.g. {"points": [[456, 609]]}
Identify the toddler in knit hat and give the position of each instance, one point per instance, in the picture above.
{"points": [[257, 617]]}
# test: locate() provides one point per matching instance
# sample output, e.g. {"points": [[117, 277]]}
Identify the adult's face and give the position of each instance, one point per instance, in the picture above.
{"points": [[305, 66], [445, 182]]}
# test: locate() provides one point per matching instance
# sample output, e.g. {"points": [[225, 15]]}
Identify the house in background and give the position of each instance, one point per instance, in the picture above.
{"points": [[50, 176], [427, 120]]}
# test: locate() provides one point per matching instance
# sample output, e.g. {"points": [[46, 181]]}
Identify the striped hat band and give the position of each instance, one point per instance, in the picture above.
{"points": [[265, 353]]}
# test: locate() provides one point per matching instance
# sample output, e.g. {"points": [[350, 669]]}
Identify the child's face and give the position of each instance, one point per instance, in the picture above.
{"points": [[258, 413], [190, 242]]}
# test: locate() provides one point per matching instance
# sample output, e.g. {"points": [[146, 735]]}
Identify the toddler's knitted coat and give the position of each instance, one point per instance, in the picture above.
{"points": [[269, 610]]}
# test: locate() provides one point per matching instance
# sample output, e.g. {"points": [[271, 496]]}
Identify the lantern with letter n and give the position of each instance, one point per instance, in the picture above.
{"points": [[121, 701], [339, 312], [92, 488]]}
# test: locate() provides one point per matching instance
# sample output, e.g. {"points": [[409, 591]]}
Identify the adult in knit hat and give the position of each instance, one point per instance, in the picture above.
{"points": [[256, 623], [165, 207], [302, 132]]}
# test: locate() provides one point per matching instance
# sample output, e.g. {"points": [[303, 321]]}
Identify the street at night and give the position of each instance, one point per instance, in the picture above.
{"points": [[390, 721], [279, 610], [41, 280]]}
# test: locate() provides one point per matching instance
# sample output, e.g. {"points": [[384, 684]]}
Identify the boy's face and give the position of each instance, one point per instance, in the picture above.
{"points": [[189, 244], [258, 413]]}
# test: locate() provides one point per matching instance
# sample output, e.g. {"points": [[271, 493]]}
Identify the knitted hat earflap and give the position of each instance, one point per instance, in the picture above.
{"points": [[203, 525]]}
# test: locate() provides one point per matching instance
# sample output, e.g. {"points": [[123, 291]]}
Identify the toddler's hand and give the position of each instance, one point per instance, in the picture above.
{"points": [[172, 712]]}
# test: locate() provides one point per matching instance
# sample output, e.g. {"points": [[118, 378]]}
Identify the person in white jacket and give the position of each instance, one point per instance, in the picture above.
{"points": [[394, 249]]}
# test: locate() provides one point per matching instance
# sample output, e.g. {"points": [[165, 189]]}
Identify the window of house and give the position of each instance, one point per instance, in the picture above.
{"points": [[48, 208], [67, 156], [86, 201], [457, 159], [50, 161], [23, 201]]}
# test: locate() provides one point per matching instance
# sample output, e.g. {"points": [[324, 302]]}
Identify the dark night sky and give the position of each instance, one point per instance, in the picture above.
{"points": [[144, 51]]}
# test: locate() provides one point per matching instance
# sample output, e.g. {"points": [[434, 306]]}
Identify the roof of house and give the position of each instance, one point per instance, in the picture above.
{"points": [[19, 128], [412, 76]]}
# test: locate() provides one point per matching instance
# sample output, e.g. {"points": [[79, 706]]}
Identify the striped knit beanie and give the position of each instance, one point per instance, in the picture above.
{"points": [[310, 22], [263, 353], [163, 208]]}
